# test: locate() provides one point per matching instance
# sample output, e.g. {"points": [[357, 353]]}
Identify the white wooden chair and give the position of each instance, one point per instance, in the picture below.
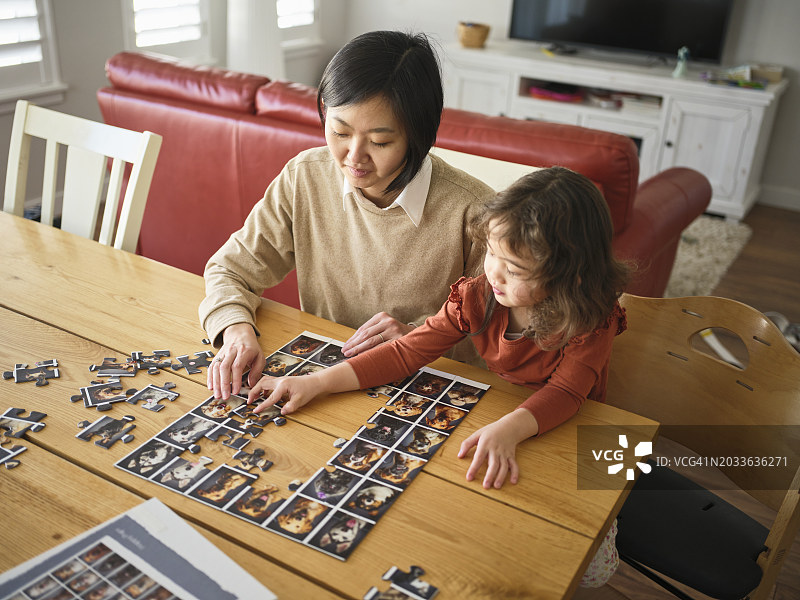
{"points": [[89, 147], [668, 524]]}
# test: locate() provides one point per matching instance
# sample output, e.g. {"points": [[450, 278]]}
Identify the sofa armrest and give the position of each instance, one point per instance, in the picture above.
{"points": [[664, 206]]}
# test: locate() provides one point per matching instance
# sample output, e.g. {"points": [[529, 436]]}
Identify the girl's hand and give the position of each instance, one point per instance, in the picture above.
{"points": [[379, 329], [298, 391], [496, 444], [240, 350]]}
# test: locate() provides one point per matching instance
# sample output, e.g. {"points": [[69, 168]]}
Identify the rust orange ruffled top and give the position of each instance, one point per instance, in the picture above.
{"points": [[562, 379]]}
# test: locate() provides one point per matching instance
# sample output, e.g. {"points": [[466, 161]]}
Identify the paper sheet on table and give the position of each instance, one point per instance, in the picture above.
{"points": [[139, 552]]}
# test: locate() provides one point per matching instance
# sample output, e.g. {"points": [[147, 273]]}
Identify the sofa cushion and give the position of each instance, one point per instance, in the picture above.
{"points": [[163, 76], [608, 159], [289, 101]]}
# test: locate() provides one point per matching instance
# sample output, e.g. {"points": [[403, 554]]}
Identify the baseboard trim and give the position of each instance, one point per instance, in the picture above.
{"points": [[780, 197]]}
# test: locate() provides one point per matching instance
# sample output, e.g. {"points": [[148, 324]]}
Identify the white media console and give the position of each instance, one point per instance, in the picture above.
{"points": [[722, 131]]}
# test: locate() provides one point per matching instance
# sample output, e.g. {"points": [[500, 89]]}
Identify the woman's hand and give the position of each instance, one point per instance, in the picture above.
{"points": [[240, 350], [496, 445], [379, 329], [301, 389]]}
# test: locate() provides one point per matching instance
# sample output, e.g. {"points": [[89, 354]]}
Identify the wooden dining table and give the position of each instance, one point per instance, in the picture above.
{"points": [[68, 298]]}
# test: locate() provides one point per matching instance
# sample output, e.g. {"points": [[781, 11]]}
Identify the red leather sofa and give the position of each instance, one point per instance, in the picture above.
{"points": [[226, 135]]}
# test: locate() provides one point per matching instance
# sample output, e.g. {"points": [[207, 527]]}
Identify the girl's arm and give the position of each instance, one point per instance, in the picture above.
{"points": [[582, 373], [496, 445], [300, 390]]}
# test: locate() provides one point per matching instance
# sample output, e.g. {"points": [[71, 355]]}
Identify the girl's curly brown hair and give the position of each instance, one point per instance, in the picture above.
{"points": [[560, 220]]}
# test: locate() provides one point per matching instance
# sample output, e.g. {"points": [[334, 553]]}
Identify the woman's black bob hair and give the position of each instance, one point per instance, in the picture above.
{"points": [[404, 69]]}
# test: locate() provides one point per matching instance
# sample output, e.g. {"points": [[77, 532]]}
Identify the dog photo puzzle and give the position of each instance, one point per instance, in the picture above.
{"points": [[339, 504], [146, 553]]}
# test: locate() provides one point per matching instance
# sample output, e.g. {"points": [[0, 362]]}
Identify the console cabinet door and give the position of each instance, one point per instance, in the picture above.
{"points": [[711, 139], [645, 136], [478, 91]]}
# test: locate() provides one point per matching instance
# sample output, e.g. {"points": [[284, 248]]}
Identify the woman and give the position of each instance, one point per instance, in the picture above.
{"points": [[374, 225]]}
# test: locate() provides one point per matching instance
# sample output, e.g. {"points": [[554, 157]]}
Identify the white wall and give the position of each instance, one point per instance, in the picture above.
{"points": [[762, 30], [767, 31]]}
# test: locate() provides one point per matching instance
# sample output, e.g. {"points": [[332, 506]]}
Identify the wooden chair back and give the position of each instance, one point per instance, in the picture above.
{"points": [[90, 146], [658, 370]]}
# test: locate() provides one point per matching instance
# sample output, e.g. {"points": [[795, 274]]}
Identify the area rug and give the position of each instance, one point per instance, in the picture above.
{"points": [[706, 251]]}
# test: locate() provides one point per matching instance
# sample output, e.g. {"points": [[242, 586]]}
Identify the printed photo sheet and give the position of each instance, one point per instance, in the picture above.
{"points": [[147, 553]]}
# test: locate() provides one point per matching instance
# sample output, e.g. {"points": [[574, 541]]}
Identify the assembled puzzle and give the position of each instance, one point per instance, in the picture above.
{"points": [[334, 509]]}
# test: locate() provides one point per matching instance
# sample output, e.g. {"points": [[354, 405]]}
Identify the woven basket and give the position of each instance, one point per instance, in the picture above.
{"points": [[472, 35]]}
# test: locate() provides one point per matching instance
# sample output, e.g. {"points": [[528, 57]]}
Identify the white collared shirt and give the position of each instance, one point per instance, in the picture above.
{"points": [[411, 199]]}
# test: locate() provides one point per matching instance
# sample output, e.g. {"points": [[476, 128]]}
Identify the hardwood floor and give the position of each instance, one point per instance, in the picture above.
{"points": [[766, 275]]}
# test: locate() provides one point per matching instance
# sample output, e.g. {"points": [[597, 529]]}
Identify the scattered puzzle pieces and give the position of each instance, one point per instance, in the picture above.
{"points": [[108, 430], [40, 372], [235, 439], [111, 368], [193, 365], [13, 426], [102, 395], [390, 594], [152, 362], [16, 425], [8, 455], [410, 583], [153, 394], [256, 458]]}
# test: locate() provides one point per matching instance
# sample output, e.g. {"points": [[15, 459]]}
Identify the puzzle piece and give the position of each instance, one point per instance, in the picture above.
{"points": [[111, 368], [262, 419], [152, 362], [374, 593], [153, 394], [256, 458], [101, 395], [235, 439], [193, 365], [40, 372], [8, 455], [108, 430], [15, 425], [237, 428], [12, 427], [237, 443], [410, 583]]}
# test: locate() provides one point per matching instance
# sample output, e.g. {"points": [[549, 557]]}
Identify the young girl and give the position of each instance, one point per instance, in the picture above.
{"points": [[544, 315]]}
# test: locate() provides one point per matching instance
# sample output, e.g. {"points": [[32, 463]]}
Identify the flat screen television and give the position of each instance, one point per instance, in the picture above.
{"points": [[655, 27]]}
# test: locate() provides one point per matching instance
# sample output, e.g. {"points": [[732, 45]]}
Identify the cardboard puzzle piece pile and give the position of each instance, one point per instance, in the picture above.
{"points": [[102, 394], [334, 509]]}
